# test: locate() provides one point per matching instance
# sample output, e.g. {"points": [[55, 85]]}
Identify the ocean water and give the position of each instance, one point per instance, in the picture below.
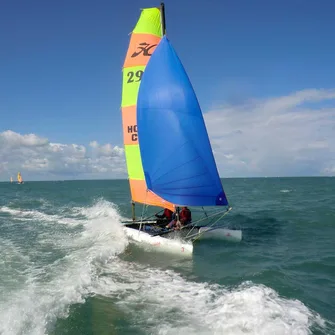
{"points": [[67, 267]]}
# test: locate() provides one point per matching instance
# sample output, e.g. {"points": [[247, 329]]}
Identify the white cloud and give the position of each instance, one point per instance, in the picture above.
{"points": [[289, 135], [281, 136], [37, 158], [12, 140]]}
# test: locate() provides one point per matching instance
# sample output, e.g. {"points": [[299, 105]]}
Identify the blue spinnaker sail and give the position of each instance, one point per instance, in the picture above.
{"points": [[176, 154]]}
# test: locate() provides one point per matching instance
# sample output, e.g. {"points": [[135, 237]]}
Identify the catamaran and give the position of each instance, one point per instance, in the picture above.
{"points": [[169, 157]]}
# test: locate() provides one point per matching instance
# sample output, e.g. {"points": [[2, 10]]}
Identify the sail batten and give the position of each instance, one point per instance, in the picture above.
{"points": [[170, 124], [144, 39]]}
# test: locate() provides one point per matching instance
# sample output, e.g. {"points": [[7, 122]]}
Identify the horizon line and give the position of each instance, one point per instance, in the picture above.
{"points": [[126, 179]]}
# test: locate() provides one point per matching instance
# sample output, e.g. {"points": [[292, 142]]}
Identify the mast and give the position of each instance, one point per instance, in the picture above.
{"points": [[163, 18]]}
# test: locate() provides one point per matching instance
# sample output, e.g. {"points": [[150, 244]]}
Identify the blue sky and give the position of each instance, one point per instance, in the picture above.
{"points": [[60, 63]]}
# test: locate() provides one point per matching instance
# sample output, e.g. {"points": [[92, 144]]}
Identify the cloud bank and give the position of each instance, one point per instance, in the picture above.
{"points": [[39, 159], [282, 136]]}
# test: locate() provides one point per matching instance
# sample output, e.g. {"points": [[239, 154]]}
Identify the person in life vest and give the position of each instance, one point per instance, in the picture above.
{"points": [[185, 217], [165, 217]]}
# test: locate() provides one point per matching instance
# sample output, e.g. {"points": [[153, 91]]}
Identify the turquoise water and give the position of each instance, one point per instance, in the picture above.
{"points": [[67, 267]]}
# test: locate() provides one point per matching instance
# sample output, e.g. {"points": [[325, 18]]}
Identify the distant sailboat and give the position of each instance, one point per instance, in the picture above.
{"points": [[11, 179], [19, 178]]}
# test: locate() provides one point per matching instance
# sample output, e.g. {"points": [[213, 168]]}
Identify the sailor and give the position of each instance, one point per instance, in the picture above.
{"points": [[165, 217], [185, 217]]}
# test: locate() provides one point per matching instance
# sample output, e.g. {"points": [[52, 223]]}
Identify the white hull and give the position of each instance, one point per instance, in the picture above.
{"points": [[160, 243], [177, 246], [220, 234]]}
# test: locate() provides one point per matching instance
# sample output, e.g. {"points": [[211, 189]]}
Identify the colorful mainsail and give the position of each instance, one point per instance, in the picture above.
{"points": [[176, 153], [144, 39]]}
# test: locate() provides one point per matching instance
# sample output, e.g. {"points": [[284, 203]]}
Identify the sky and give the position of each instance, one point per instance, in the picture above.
{"points": [[263, 72]]}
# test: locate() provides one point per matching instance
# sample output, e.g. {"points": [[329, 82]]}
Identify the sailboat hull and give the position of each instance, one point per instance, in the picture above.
{"points": [[221, 234], [174, 241], [159, 243]]}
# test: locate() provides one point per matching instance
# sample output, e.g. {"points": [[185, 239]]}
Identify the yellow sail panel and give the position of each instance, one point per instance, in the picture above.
{"points": [[134, 163], [149, 22], [19, 178], [131, 75], [144, 39]]}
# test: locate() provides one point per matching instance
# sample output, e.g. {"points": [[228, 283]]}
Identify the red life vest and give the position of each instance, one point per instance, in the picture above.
{"points": [[167, 213], [185, 215]]}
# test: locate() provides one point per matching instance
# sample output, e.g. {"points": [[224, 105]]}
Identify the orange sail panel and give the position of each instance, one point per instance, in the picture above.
{"points": [[144, 39]]}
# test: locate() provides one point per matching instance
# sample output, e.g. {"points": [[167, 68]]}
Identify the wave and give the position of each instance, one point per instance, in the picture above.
{"points": [[87, 243], [50, 289], [166, 303]]}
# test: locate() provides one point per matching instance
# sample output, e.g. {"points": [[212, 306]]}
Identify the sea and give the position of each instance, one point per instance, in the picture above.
{"points": [[67, 267]]}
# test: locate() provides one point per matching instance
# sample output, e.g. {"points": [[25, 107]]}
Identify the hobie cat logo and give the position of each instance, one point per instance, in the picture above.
{"points": [[143, 48], [133, 131]]}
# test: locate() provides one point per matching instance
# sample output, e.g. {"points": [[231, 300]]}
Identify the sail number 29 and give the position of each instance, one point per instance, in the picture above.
{"points": [[134, 76]]}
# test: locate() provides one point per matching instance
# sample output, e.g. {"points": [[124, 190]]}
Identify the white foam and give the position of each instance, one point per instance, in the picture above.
{"points": [[12, 261], [166, 303], [49, 290], [35, 215]]}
